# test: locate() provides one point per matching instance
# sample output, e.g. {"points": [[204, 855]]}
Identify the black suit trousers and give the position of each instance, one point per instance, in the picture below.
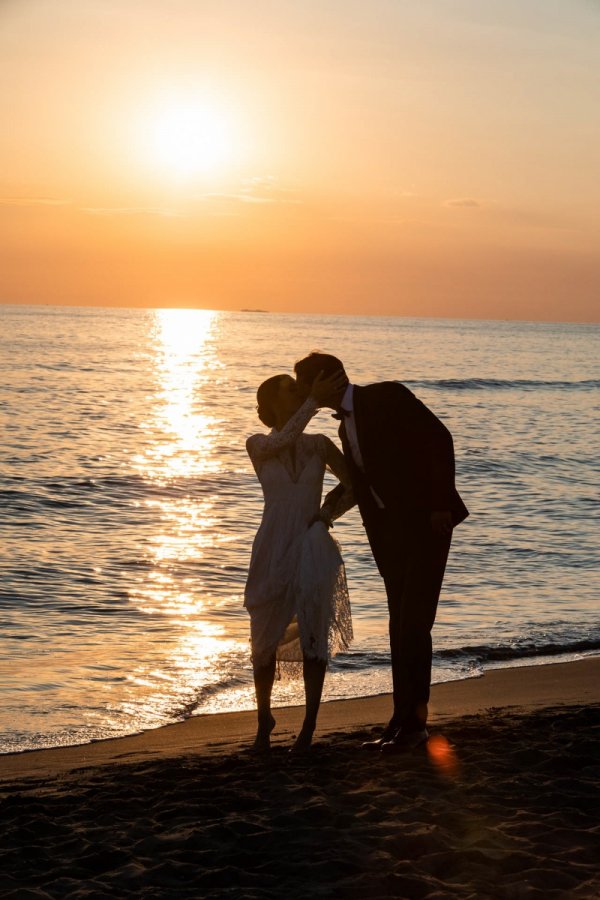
{"points": [[411, 560]]}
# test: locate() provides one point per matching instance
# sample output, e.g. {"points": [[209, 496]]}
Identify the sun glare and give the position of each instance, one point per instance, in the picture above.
{"points": [[188, 137]]}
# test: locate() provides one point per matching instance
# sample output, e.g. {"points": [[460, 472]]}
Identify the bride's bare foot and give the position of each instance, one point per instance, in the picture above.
{"points": [[304, 740], [262, 742]]}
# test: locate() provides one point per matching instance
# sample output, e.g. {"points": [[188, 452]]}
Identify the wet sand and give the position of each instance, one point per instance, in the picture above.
{"points": [[503, 802]]}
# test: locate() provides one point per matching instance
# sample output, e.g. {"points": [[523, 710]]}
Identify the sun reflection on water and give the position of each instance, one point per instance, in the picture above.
{"points": [[180, 434], [192, 528], [179, 450]]}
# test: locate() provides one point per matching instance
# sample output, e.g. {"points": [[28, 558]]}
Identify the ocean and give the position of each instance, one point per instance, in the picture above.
{"points": [[128, 506]]}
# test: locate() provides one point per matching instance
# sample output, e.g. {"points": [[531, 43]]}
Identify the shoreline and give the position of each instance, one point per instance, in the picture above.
{"points": [[516, 663], [535, 660], [574, 683]]}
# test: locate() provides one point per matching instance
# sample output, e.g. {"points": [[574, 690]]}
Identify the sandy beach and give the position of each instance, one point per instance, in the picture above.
{"points": [[503, 802]]}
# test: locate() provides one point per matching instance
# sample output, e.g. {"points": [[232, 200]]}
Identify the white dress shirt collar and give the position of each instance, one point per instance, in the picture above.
{"points": [[348, 399]]}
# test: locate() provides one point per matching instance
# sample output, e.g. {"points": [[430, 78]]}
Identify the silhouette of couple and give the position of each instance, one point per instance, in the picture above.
{"points": [[398, 466]]}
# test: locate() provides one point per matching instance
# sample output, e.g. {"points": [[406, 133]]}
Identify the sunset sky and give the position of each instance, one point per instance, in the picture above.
{"points": [[410, 157]]}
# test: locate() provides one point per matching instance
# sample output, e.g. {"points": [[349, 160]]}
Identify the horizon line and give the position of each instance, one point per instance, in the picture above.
{"points": [[301, 313]]}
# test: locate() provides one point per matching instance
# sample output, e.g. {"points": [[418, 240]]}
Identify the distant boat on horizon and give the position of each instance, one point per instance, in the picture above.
{"points": [[254, 310]]}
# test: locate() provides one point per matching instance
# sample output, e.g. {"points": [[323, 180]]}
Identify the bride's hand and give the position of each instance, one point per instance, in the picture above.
{"points": [[328, 391]]}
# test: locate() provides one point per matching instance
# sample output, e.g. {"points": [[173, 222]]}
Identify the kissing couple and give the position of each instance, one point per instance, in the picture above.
{"points": [[397, 464]]}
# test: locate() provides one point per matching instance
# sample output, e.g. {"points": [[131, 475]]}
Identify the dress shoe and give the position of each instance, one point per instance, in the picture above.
{"points": [[404, 740], [388, 734]]}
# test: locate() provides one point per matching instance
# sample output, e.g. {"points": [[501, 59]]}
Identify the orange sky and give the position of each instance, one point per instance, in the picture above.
{"points": [[413, 158]]}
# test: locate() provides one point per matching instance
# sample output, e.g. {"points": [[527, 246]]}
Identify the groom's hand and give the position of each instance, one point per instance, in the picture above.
{"points": [[329, 391], [441, 521], [323, 517]]}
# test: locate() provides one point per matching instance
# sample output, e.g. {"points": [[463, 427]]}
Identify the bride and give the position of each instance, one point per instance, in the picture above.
{"points": [[296, 591]]}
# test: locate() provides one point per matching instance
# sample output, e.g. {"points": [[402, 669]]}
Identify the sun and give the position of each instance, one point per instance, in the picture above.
{"points": [[186, 137]]}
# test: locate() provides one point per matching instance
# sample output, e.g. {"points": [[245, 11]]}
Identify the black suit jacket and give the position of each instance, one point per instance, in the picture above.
{"points": [[408, 453]]}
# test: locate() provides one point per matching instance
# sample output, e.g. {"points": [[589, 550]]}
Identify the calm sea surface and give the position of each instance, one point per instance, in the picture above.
{"points": [[128, 506]]}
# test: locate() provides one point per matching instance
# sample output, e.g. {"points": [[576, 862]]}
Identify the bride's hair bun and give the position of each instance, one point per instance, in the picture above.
{"points": [[266, 397]]}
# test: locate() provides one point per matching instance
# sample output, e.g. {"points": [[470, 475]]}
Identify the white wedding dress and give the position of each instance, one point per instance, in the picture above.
{"points": [[296, 591]]}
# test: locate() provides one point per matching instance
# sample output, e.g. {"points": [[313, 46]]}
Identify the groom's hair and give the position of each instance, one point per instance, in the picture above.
{"points": [[308, 368]]}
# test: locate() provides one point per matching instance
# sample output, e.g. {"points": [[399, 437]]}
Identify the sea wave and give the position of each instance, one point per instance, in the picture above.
{"points": [[20, 495], [472, 655], [485, 653], [480, 384]]}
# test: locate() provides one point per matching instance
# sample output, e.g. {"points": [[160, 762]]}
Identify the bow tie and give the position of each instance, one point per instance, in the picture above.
{"points": [[340, 413]]}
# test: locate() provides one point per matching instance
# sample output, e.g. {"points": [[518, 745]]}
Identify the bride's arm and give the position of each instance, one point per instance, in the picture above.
{"points": [[262, 446], [341, 498]]}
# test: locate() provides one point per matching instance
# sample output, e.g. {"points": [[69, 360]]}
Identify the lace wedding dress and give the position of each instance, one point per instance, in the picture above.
{"points": [[296, 591]]}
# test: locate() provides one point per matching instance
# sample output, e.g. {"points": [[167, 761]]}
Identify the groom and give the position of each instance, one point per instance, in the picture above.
{"points": [[401, 460]]}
